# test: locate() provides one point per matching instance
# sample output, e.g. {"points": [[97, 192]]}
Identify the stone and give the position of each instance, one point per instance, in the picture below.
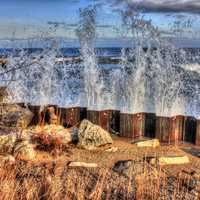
{"points": [[148, 143], [91, 136], [173, 160], [23, 150], [51, 117], [14, 117], [7, 143], [48, 135], [122, 166], [82, 164], [128, 168]]}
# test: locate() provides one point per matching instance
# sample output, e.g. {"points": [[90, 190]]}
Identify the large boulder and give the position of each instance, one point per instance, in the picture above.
{"points": [[13, 117], [91, 136], [51, 135]]}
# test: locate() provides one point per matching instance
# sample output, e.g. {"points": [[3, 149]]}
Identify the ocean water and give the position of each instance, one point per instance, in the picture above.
{"points": [[122, 85]]}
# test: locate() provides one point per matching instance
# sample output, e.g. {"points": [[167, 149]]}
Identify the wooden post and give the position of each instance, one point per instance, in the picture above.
{"points": [[138, 125], [163, 129], [62, 115], [126, 125], [190, 129], [198, 133], [101, 118], [37, 118], [115, 121], [144, 125], [177, 128], [73, 116]]}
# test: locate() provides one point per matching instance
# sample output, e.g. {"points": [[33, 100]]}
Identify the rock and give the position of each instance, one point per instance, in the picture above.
{"points": [[23, 150], [14, 117], [148, 143], [175, 160], [54, 135], [128, 168], [7, 143], [51, 117], [112, 150], [123, 166], [82, 164], [91, 136]]}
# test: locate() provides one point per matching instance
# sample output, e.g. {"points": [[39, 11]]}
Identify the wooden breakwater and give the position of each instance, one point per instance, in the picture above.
{"points": [[169, 130]]}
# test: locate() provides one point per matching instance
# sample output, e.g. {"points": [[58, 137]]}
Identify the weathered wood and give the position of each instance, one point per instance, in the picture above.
{"points": [[183, 129], [144, 125], [101, 118], [198, 133], [177, 128], [137, 125], [190, 128], [126, 125], [163, 128], [115, 121], [73, 116], [173, 160], [150, 125], [147, 143], [37, 118]]}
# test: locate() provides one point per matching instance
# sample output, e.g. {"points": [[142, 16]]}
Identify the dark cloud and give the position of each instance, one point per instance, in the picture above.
{"points": [[159, 5]]}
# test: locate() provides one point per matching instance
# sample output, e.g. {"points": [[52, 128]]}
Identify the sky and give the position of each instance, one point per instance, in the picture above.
{"points": [[30, 18]]}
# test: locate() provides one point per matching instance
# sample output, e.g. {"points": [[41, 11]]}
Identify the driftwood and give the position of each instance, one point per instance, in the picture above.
{"points": [[82, 164]]}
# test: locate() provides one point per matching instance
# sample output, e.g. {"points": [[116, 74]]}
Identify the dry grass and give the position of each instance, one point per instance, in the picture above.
{"points": [[51, 178]]}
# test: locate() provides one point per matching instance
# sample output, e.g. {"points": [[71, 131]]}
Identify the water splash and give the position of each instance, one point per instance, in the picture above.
{"points": [[153, 75], [92, 81]]}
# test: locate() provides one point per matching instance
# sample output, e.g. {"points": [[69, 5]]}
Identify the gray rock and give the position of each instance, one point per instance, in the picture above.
{"points": [[91, 136], [14, 117], [123, 167]]}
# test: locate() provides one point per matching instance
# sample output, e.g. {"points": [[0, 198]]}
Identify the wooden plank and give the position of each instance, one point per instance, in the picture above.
{"points": [[139, 125], [73, 116], [190, 128], [198, 133], [115, 121], [163, 129], [101, 118], [37, 117], [126, 125], [150, 125], [177, 128]]}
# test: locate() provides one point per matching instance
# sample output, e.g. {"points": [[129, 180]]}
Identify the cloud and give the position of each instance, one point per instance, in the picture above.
{"points": [[159, 5]]}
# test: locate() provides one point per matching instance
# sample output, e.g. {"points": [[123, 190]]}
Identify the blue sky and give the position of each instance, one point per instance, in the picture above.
{"points": [[28, 18]]}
